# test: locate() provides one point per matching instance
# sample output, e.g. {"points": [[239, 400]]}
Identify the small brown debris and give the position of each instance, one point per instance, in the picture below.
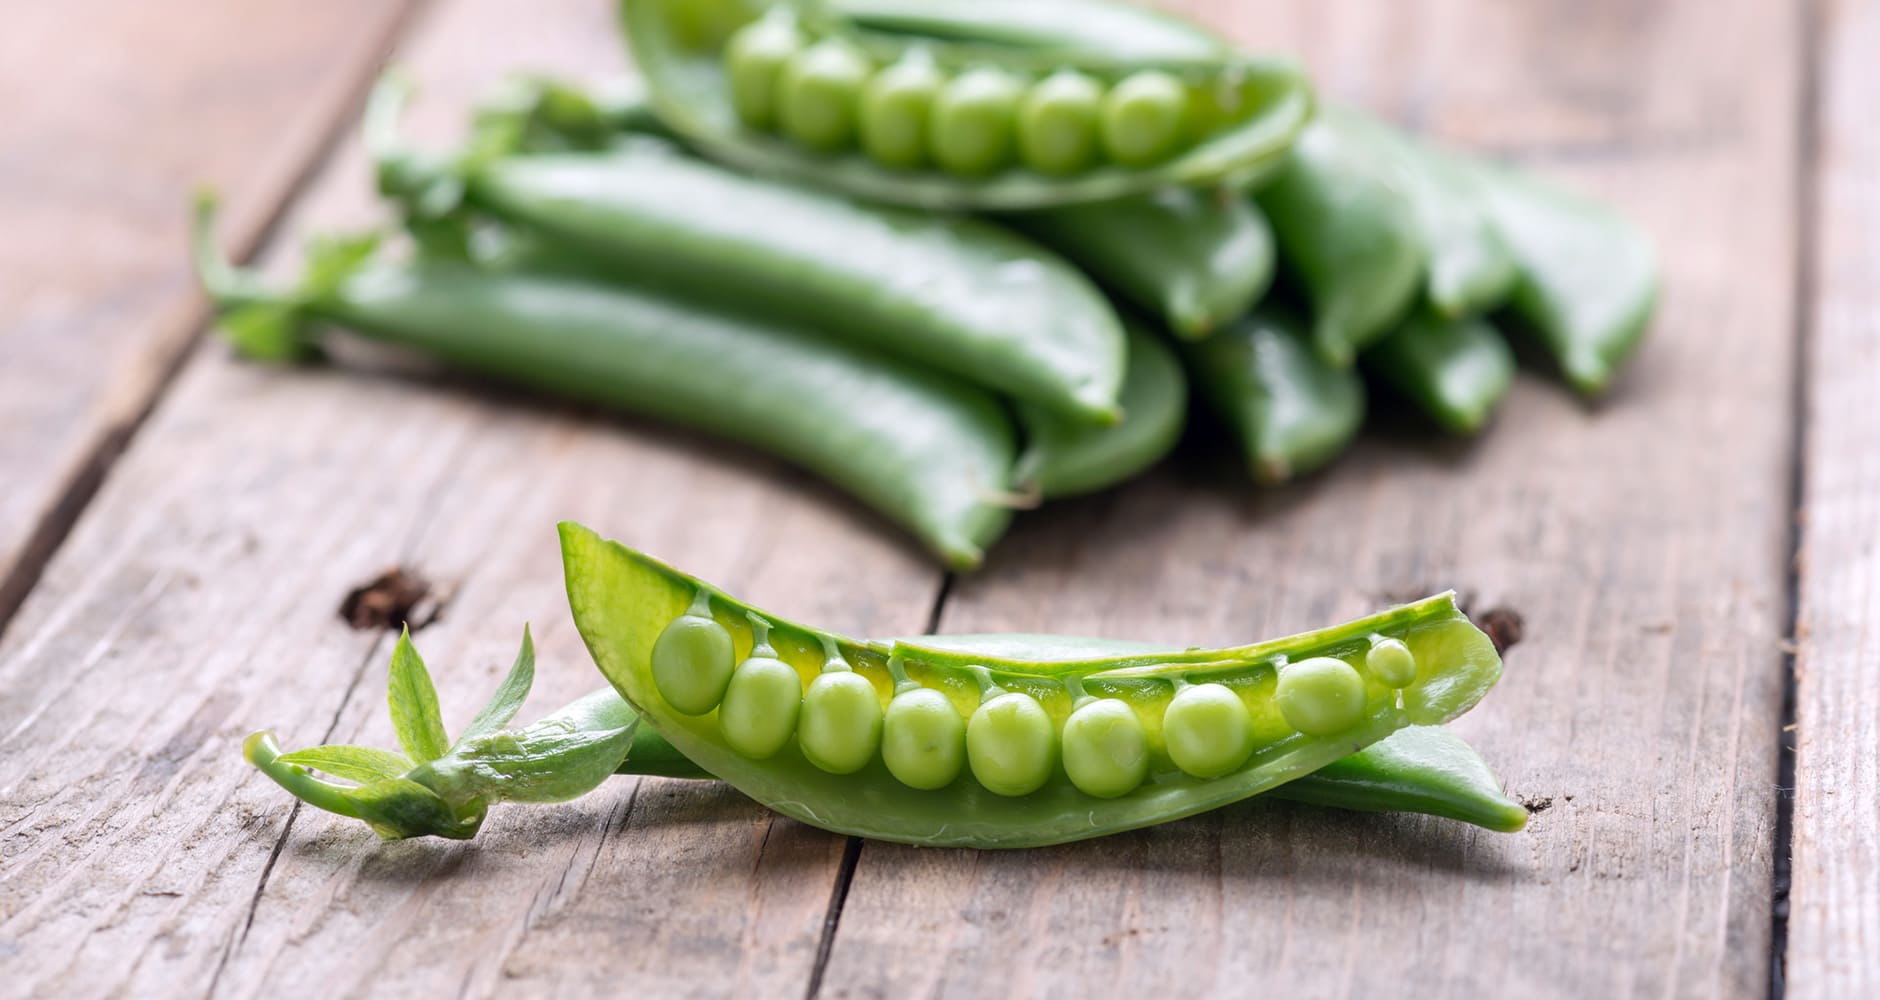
{"points": [[396, 598], [1540, 803], [1504, 627]]}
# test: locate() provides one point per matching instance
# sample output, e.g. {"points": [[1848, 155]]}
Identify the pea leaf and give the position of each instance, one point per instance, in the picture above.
{"points": [[509, 696], [561, 757], [331, 259], [413, 701], [354, 763], [268, 331]]}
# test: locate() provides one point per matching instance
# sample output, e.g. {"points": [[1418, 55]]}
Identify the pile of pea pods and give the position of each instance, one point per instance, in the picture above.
{"points": [[960, 258]]}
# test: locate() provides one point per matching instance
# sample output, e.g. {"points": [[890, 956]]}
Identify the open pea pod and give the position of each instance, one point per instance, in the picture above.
{"points": [[923, 742], [916, 110]]}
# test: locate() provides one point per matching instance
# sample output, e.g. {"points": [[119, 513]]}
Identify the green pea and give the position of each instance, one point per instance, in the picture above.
{"points": [[841, 724], [1010, 744], [818, 94], [1142, 118], [1057, 123], [759, 712], [1391, 662], [895, 108], [923, 739], [1320, 696], [692, 660], [1208, 730], [1106, 752], [970, 130], [754, 60]]}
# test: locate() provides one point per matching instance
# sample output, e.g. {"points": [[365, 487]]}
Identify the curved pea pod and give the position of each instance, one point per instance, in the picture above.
{"points": [[1096, 27], [1348, 235], [1422, 769], [1455, 370], [1063, 458], [1291, 411], [957, 294], [1028, 778], [1183, 112], [1588, 278], [1197, 258], [1470, 269], [926, 450]]}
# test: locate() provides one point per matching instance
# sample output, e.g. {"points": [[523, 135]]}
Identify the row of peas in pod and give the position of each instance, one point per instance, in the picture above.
{"points": [[954, 345], [985, 741], [1010, 741]]}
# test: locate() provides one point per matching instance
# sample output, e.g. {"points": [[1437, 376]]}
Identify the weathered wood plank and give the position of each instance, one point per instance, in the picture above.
{"points": [[1834, 901], [115, 110], [196, 600], [1643, 541]]}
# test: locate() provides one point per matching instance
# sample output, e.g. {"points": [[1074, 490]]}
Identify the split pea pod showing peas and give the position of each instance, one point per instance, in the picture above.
{"points": [[972, 110], [448, 788], [957, 294], [929, 742], [1291, 411], [927, 450]]}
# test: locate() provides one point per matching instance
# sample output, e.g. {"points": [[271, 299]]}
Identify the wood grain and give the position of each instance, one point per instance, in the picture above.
{"points": [[1834, 902], [1643, 540], [115, 110], [196, 599]]}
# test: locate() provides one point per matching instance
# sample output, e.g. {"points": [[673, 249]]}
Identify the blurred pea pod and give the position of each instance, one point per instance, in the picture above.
{"points": [[1291, 411], [1065, 458], [1588, 278], [1469, 269], [1348, 236], [1455, 370], [1194, 258]]}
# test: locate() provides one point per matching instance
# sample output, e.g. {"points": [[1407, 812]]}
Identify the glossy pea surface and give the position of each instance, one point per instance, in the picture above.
{"points": [[1320, 695], [1011, 744], [754, 63], [819, 93], [1142, 118], [972, 127], [760, 708], [841, 722], [923, 739], [1207, 730], [1057, 123], [1106, 751], [692, 663], [896, 106], [1391, 662]]}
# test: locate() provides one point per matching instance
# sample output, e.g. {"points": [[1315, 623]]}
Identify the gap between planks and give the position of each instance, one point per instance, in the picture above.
{"points": [[191, 316]]}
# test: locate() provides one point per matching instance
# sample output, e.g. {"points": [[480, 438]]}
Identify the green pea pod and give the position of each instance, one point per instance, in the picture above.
{"points": [[1094, 27], [1348, 236], [1195, 258], [1470, 269], [569, 753], [956, 294], [1456, 370], [1291, 411], [916, 742], [924, 449], [944, 112], [1063, 458], [1422, 769], [1589, 279]]}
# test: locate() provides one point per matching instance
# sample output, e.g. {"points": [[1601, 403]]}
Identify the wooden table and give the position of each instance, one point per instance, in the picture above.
{"points": [[177, 528]]}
